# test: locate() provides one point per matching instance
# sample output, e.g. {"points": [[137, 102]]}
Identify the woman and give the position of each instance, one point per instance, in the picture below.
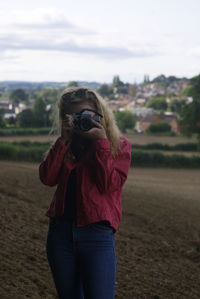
{"points": [[89, 163]]}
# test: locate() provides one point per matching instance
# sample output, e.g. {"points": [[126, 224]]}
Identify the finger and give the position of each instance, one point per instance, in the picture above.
{"points": [[98, 125], [90, 132], [68, 116], [71, 120], [68, 122]]}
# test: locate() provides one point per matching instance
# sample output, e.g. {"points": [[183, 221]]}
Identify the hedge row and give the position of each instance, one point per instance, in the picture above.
{"points": [[24, 131], [172, 133], [34, 153], [27, 143], [158, 159], [9, 151], [188, 147]]}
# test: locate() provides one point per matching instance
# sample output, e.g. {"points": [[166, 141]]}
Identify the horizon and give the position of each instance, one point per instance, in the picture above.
{"points": [[108, 83]]}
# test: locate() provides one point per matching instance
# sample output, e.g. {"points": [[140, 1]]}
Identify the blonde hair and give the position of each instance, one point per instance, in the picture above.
{"points": [[72, 95]]}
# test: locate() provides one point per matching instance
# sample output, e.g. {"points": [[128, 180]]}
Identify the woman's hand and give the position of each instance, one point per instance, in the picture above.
{"points": [[98, 132], [67, 128]]}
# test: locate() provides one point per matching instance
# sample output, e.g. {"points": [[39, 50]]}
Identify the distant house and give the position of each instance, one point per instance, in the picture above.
{"points": [[145, 122], [141, 101], [7, 108], [113, 104], [9, 113], [10, 109], [4, 105], [124, 100], [142, 112]]}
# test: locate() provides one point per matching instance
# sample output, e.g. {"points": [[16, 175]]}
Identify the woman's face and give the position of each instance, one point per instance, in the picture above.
{"points": [[77, 107]]}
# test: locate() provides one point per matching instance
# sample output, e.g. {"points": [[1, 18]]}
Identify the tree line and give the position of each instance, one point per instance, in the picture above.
{"points": [[43, 111]]}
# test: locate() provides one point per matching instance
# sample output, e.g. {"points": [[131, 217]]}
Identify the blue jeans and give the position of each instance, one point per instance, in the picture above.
{"points": [[82, 259]]}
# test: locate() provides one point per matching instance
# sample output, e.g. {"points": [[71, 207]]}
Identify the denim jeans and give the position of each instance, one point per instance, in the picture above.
{"points": [[82, 259]]}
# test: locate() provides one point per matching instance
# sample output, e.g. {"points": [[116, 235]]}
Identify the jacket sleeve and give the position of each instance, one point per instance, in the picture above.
{"points": [[51, 165], [111, 173]]}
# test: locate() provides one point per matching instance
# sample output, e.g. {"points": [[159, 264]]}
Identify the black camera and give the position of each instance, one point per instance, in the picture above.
{"points": [[83, 119]]}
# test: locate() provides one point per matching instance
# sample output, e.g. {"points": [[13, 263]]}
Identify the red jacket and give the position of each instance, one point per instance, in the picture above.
{"points": [[100, 181]]}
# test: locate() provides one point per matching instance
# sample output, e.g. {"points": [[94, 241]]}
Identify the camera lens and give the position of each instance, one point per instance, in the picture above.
{"points": [[85, 124]]}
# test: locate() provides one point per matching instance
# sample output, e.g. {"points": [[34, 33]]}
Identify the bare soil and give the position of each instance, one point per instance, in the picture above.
{"points": [[40, 138], [187, 154], [170, 140], [157, 244]]}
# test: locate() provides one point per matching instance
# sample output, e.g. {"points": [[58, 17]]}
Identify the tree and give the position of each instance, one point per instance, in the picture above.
{"points": [[159, 127], [2, 122], [117, 82], [176, 105], [194, 91], [190, 114], [119, 86], [132, 90], [123, 89], [39, 111], [158, 103], [125, 120], [18, 95], [186, 91], [105, 90], [146, 79], [11, 121], [160, 79], [49, 95], [72, 83], [26, 118]]}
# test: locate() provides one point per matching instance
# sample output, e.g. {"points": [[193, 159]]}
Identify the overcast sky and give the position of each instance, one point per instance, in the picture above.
{"points": [[91, 40]]}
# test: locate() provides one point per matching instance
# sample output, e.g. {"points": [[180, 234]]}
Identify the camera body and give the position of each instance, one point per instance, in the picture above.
{"points": [[83, 120]]}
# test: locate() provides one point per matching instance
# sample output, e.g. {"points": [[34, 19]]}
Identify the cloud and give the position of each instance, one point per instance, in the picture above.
{"points": [[42, 20], [62, 24], [6, 56], [17, 42], [50, 30], [46, 24]]}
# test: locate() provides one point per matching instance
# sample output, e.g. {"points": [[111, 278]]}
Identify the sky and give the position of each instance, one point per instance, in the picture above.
{"points": [[95, 40]]}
